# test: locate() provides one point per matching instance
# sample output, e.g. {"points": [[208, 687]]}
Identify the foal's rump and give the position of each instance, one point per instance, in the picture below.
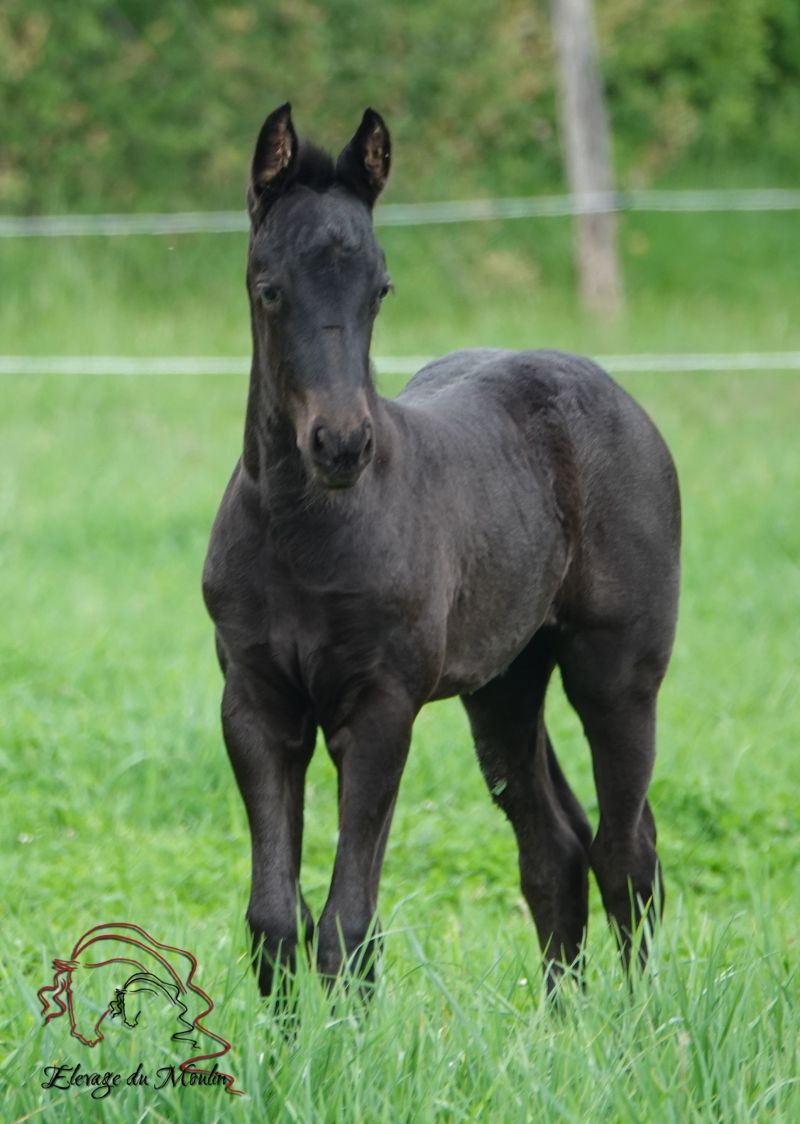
{"points": [[576, 451]]}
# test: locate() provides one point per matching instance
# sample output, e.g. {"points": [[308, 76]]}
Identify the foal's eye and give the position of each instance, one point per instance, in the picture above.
{"points": [[269, 295], [385, 289]]}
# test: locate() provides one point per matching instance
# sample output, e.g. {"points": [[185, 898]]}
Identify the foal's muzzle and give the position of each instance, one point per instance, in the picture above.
{"points": [[339, 457]]}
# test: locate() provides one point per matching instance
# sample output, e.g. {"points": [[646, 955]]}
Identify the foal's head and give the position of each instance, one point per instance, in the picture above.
{"points": [[316, 277]]}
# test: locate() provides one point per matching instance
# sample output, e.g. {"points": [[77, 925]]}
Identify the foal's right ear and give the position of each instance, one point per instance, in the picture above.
{"points": [[274, 157]]}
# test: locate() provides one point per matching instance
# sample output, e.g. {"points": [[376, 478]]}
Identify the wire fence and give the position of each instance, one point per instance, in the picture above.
{"points": [[400, 214], [165, 365], [416, 214]]}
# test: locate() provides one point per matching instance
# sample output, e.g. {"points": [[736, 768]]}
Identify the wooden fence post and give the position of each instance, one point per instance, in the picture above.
{"points": [[587, 152]]}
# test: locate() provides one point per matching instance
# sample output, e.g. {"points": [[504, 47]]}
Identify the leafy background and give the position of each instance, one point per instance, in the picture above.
{"points": [[135, 105]]}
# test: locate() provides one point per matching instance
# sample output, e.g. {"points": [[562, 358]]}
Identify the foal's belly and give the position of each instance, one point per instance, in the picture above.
{"points": [[480, 648], [496, 612], [499, 534]]}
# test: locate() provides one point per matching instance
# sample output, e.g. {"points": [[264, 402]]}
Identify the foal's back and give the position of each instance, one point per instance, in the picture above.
{"points": [[545, 497], [593, 455]]}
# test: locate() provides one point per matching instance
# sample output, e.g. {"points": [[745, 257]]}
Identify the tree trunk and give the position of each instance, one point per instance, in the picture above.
{"points": [[587, 152]]}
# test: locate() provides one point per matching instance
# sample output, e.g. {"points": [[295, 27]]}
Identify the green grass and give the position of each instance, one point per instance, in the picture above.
{"points": [[714, 282], [119, 799]]}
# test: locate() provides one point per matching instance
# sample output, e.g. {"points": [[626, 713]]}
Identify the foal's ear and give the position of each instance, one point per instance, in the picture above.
{"points": [[274, 157], [364, 163]]}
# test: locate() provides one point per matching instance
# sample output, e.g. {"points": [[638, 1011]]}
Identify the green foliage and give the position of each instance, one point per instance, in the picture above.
{"points": [[134, 104], [124, 102], [709, 80]]}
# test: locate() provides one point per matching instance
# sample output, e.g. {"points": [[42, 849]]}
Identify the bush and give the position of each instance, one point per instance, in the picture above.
{"points": [[135, 104]]}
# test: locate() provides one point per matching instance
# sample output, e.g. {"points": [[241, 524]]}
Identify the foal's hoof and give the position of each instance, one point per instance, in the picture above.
{"points": [[354, 971]]}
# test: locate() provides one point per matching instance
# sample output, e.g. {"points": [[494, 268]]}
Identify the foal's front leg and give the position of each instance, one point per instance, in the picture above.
{"points": [[270, 743], [369, 750]]}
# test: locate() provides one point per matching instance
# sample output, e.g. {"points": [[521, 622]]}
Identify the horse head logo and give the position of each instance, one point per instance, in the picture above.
{"points": [[154, 973]]}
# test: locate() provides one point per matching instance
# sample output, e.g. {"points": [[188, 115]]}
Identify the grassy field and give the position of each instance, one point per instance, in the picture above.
{"points": [[713, 282], [119, 800]]}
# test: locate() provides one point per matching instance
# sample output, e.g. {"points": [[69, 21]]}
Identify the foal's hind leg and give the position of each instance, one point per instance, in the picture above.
{"points": [[522, 773], [612, 677]]}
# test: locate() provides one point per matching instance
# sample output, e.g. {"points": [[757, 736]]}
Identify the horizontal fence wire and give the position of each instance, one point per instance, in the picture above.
{"points": [[163, 365], [416, 214]]}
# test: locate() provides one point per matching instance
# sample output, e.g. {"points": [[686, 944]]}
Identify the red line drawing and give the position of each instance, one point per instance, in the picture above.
{"points": [[57, 998]]}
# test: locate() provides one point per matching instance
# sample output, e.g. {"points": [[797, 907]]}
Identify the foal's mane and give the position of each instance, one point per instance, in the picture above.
{"points": [[313, 168]]}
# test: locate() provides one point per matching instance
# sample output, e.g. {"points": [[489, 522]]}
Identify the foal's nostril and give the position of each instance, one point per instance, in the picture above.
{"points": [[340, 455], [318, 439], [366, 450]]}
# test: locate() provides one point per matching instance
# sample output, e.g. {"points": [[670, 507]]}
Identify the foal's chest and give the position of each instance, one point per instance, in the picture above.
{"points": [[317, 615]]}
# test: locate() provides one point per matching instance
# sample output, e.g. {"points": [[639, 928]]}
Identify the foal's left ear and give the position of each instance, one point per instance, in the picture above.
{"points": [[364, 163]]}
